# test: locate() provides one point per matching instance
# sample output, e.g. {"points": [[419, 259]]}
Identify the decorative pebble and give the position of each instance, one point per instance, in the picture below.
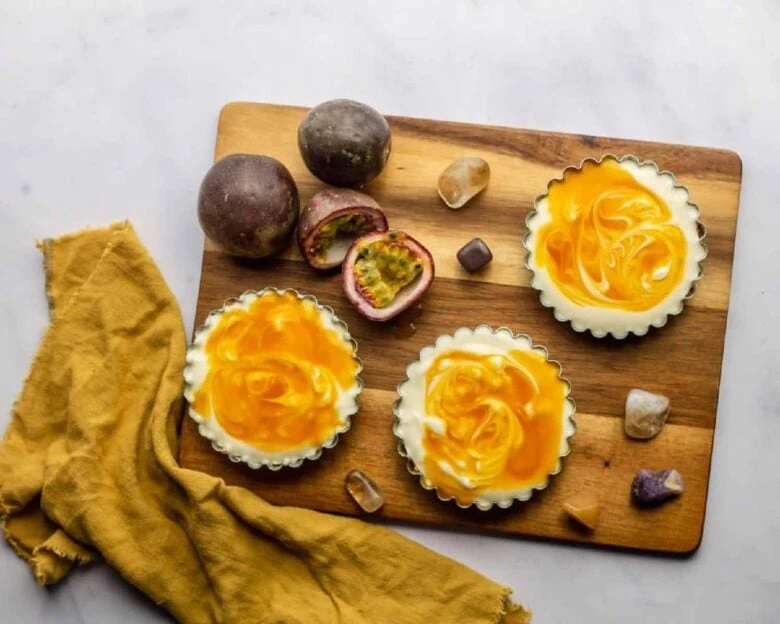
{"points": [[646, 414], [584, 508], [474, 255], [656, 486], [364, 491], [462, 180]]}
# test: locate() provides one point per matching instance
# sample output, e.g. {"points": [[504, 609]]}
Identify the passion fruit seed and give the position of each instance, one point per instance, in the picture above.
{"points": [[350, 225], [383, 269]]}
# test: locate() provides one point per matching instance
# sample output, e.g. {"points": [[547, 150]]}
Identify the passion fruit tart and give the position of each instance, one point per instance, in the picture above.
{"points": [[385, 273], [615, 246], [331, 221], [272, 378], [484, 417]]}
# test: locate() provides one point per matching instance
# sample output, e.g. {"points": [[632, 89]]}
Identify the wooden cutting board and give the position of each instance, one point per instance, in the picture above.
{"points": [[682, 360]]}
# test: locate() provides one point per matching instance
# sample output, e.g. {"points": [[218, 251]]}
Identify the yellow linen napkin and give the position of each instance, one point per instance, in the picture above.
{"points": [[88, 466]]}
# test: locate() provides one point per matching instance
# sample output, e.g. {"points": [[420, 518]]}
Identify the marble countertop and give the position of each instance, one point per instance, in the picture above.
{"points": [[107, 113]]}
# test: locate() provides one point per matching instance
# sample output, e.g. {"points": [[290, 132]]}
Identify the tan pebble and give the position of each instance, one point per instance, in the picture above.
{"points": [[462, 180], [584, 508], [364, 491]]}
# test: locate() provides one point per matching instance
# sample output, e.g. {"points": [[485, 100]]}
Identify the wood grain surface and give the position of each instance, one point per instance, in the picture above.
{"points": [[681, 360]]}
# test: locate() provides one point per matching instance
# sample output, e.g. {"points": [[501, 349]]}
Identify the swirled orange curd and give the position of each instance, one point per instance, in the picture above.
{"points": [[273, 376], [619, 237], [485, 417]]}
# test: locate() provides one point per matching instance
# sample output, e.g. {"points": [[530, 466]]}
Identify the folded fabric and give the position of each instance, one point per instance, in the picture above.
{"points": [[87, 467]]}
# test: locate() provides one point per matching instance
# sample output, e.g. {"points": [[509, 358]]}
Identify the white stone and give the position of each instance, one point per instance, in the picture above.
{"points": [[646, 414]]}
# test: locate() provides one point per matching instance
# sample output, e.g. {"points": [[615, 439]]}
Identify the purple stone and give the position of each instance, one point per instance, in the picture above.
{"points": [[655, 486], [474, 255]]}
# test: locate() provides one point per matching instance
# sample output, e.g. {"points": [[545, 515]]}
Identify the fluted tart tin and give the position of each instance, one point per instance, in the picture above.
{"points": [[272, 378], [615, 246], [484, 417]]}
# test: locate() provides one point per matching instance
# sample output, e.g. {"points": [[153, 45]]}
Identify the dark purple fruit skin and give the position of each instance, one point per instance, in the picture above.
{"points": [[328, 204], [248, 205], [344, 143], [329, 201]]}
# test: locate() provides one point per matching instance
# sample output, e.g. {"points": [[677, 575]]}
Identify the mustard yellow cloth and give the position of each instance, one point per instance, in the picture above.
{"points": [[87, 467]]}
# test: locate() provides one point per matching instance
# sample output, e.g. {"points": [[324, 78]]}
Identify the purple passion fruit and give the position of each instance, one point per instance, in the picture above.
{"points": [[331, 221], [248, 205], [386, 273], [344, 143]]}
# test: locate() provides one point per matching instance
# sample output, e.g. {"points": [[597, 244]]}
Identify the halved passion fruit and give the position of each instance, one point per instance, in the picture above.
{"points": [[331, 221], [386, 273]]}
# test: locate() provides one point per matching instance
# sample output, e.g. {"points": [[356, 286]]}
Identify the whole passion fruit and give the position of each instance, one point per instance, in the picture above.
{"points": [[386, 273], [344, 143], [331, 221], [248, 205]]}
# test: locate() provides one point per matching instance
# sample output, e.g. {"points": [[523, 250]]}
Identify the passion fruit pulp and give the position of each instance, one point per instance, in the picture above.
{"points": [[331, 221], [385, 273]]}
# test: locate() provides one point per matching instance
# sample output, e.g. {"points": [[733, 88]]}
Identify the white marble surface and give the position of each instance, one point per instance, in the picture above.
{"points": [[108, 110]]}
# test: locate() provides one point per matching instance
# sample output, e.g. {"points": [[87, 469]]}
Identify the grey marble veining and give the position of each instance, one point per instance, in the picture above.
{"points": [[108, 110]]}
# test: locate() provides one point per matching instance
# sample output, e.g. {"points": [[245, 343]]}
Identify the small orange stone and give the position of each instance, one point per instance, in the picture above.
{"points": [[462, 180], [584, 508], [364, 491]]}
